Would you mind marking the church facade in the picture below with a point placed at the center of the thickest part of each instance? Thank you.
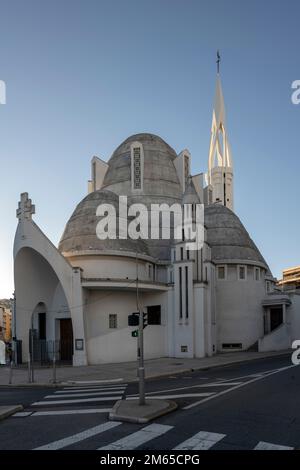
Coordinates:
(78, 296)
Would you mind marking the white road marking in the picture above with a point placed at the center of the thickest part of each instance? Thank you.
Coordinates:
(183, 395)
(216, 384)
(98, 389)
(22, 414)
(77, 400)
(95, 381)
(269, 446)
(220, 384)
(200, 441)
(68, 441)
(86, 394)
(136, 439)
(243, 384)
(71, 412)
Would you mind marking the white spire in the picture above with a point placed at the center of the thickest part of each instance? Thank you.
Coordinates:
(220, 167)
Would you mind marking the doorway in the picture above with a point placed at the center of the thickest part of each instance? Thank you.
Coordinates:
(276, 317)
(66, 339)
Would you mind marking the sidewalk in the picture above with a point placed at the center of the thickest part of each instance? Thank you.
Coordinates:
(127, 371)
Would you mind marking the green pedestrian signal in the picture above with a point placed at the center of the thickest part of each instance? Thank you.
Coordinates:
(135, 333)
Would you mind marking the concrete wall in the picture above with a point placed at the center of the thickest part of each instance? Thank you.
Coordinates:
(117, 345)
(278, 340)
(239, 309)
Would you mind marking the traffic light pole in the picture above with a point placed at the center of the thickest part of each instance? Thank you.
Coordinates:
(141, 368)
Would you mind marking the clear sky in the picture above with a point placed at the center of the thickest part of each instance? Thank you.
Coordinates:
(82, 75)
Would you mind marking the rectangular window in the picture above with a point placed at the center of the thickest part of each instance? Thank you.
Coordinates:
(154, 315)
(113, 322)
(257, 274)
(221, 270)
(268, 286)
(242, 273)
(186, 293)
(181, 253)
(180, 293)
(183, 349)
(187, 253)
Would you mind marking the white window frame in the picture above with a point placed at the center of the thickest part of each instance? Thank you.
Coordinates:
(133, 146)
(114, 318)
(225, 272)
(257, 270)
(238, 272)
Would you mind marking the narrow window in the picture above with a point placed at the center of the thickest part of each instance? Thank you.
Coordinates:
(221, 273)
(137, 166)
(113, 322)
(242, 273)
(186, 293)
(181, 253)
(187, 253)
(257, 274)
(180, 293)
(186, 168)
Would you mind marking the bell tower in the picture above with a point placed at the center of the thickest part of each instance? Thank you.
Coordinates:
(220, 167)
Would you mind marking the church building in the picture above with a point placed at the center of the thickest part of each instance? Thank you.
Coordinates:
(76, 298)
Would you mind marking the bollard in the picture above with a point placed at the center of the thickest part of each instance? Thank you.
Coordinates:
(54, 369)
(10, 373)
(29, 371)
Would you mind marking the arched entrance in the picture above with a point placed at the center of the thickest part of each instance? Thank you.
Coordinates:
(44, 321)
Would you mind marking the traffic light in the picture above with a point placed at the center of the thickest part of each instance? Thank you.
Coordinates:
(133, 319)
(145, 320)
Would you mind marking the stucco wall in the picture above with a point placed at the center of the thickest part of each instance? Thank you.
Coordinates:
(117, 345)
(239, 309)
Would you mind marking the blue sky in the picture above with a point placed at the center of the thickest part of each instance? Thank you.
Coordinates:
(82, 75)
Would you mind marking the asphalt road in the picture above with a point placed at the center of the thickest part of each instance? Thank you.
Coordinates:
(235, 407)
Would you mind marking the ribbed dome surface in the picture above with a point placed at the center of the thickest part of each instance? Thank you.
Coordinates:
(80, 231)
(228, 238)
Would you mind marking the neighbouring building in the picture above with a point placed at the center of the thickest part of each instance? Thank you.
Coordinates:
(219, 298)
(5, 322)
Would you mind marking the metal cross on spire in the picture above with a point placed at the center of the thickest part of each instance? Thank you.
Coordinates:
(25, 207)
(218, 61)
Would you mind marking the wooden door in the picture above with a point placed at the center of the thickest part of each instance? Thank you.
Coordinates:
(66, 339)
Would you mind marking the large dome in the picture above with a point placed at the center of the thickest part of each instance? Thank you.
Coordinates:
(160, 185)
(228, 238)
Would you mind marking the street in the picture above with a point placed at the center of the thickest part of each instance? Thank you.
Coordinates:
(254, 405)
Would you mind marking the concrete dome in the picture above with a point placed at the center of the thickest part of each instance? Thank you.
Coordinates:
(80, 231)
(228, 238)
(160, 177)
(160, 185)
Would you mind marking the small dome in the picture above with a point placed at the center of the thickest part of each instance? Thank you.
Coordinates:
(80, 231)
(228, 238)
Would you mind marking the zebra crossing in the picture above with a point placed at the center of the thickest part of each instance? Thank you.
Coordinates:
(142, 439)
(81, 399)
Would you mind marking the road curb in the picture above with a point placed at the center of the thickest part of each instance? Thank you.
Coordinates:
(6, 411)
(154, 376)
(117, 415)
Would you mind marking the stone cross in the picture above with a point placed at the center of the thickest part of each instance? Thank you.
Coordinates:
(25, 208)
